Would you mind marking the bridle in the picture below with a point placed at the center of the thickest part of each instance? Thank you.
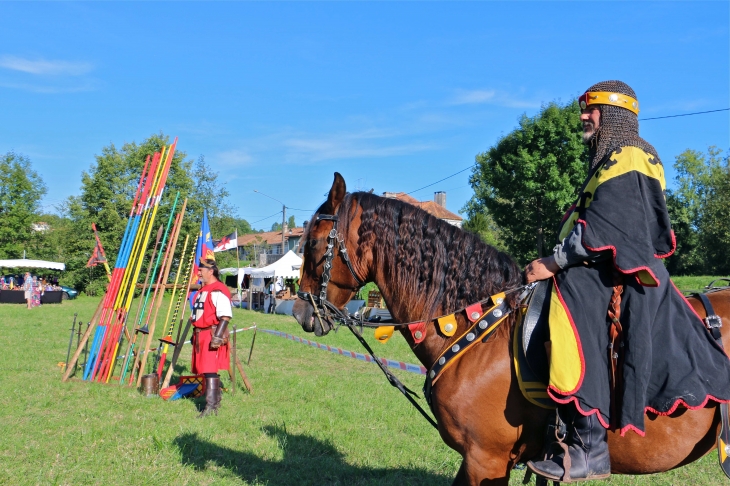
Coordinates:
(323, 308)
(326, 310)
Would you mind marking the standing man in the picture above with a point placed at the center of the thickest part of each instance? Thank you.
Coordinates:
(211, 314)
(623, 339)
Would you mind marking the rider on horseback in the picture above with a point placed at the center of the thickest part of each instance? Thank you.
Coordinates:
(603, 370)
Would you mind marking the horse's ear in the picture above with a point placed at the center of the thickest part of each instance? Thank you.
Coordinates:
(337, 193)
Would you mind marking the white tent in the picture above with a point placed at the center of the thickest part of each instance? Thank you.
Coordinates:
(286, 267)
(24, 263)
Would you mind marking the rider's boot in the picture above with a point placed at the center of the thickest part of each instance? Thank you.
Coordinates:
(587, 450)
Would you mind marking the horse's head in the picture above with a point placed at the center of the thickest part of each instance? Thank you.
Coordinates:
(329, 279)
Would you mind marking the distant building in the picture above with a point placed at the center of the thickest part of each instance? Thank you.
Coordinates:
(40, 227)
(437, 207)
(253, 245)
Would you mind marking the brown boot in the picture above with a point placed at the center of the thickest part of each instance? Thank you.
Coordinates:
(212, 396)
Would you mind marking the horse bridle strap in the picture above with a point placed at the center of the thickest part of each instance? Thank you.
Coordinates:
(482, 329)
(332, 238)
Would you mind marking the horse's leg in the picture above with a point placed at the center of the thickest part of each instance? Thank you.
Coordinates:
(473, 473)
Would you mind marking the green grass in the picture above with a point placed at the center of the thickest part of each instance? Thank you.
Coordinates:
(696, 284)
(313, 418)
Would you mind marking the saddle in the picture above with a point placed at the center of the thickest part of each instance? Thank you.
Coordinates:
(531, 345)
(535, 330)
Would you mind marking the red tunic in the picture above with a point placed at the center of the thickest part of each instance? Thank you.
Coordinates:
(205, 359)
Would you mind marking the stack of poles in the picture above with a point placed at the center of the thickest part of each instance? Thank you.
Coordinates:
(129, 263)
(142, 308)
(150, 321)
(167, 339)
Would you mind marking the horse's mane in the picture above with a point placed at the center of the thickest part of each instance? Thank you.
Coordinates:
(433, 262)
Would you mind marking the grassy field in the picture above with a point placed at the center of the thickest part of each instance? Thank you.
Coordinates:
(313, 418)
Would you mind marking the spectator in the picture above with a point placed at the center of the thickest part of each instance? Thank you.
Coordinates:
(28, 289)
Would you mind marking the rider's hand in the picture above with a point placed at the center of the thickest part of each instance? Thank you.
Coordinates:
(541, 269)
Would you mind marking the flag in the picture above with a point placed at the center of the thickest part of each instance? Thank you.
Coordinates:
(227, 242)
(96, 257)
(204, 249)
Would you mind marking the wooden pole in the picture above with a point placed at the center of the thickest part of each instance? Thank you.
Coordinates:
(233, 353)
(70, 366)
(168, 266)
(243, 375)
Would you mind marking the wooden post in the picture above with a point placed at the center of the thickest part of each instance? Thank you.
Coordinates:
(233, 352)
(243, 375)
(94, 320)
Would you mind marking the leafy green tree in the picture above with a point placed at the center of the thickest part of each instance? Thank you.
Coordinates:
(481, 223)
(290, 223)
(107, 192)
(698, 208)
(21, 191)
(529, 178)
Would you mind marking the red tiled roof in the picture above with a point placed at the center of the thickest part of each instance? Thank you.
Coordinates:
(431, 207)
(270, 237)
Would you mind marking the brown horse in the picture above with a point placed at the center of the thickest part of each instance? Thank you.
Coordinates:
(424, 268)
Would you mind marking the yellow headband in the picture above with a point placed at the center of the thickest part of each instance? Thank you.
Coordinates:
(607, 98)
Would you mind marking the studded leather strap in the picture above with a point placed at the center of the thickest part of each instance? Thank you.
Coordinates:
(481, 329)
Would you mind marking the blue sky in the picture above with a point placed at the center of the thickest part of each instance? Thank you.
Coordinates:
(395, 96)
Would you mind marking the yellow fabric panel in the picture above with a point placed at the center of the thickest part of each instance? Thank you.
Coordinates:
(566, 362)
(645, 278)
(447, 325)
(568, 225)
(528, 388)
(630, 159)
(383, 333)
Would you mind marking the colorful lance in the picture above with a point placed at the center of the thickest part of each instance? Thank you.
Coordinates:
(167, 340)
(140, 314)
(130, 346)
(126, 301)
(159, 291)
(130, 234)
(146, 214)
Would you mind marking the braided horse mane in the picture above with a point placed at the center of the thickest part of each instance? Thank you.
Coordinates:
(438, 266)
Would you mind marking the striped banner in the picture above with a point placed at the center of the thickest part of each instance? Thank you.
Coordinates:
(399, 365)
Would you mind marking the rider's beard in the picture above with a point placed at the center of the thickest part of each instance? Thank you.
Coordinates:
(588, 131)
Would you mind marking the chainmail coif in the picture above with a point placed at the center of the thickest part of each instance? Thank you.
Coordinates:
(619, 127)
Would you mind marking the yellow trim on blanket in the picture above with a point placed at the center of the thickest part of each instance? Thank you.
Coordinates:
(530, 389)
(565, 357)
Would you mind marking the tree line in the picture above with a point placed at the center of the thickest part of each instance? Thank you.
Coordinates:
(105, 198)
(525, 182)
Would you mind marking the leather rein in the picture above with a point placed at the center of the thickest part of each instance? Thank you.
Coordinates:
(324, 309)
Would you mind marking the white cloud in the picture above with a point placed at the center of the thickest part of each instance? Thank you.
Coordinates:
(85, 86)
(234, 158)
(367, 143)
(491, 97)
(44, 67)
(473, 97)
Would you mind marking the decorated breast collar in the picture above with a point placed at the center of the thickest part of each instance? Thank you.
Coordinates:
(481, 329)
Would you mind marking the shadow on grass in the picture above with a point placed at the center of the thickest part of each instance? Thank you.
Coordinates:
(306, 461)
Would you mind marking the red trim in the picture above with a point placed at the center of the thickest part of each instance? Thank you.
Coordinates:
(565, 401)
(577, 339)
(688, 304)
(628, 427)
(613, 250)
(674, 247)
(567, 214)
(702, 321)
